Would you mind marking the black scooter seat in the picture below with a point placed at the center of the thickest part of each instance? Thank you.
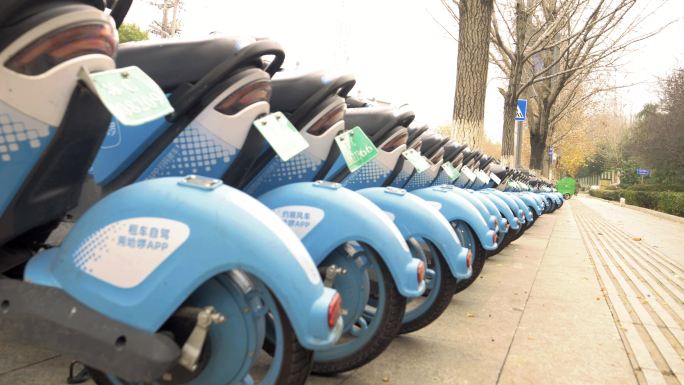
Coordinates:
(415, 131)
(291, 90)
(377, 121)
(174, 62)
(451, 150)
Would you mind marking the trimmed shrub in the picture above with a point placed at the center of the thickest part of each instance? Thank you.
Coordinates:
(647, 199)
(671, 203)
(665, 201)
(611, 195)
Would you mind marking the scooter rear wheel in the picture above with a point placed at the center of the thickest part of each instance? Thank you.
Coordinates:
(441, 286)
(223, 362)
(371, 333)
(469, 240)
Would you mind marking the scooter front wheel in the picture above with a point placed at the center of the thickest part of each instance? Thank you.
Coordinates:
(370, 327)
(440, 288)
(232, 352)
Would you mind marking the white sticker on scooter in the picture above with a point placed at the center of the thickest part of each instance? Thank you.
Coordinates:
(126, 252)
(436, 205)
(390, 215)
(301, 219)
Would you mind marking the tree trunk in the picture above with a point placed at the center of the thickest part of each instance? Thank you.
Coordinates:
(471, 70)
(538, 136)
(508, 142)
(512, 93)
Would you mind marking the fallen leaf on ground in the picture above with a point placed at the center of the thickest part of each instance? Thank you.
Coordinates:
(470, 315)
(636, 238)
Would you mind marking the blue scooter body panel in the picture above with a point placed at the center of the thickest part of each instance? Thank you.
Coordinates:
(493, 210)
(504, 208)
(530, 202)
(141, 251)
(477, 203)
(455, 207)
(326, 215)
(416, 218)
(512, 203)
(523, 205)
(24, 139)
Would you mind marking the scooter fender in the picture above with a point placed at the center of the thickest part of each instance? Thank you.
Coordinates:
(416, 218)
(523, 205)
(512, 203)
(530, 202)
(325, 215)
(504, 209)
(493, 210)
(139, 253)
(468, 195)
(454, 207)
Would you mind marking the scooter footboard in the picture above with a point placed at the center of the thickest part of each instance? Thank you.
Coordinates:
(454, 207)
(47, 317)
(138, 254)
(326, 215)
(416, 218)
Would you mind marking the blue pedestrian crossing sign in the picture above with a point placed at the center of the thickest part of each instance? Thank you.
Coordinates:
(521, 113)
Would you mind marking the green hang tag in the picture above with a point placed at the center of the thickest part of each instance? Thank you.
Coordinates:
(450, 170)
(129, 94)
(356, 148)
(465, 170)
(281, 135)
(418, 161)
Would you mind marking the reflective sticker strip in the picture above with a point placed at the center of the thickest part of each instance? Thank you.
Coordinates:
(434, 204)
(301, 219)
(126, 252)
(390, 215)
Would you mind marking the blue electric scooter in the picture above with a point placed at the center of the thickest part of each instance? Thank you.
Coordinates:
(386, 128)
(214, 136)
(99, 289)
(319, 115)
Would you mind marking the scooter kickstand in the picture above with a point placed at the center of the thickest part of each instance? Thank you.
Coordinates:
(331, 272)
(192, 349)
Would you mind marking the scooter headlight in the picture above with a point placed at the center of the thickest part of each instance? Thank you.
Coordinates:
(62, 45)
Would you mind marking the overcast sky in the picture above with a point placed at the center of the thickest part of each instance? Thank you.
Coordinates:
(397, 50)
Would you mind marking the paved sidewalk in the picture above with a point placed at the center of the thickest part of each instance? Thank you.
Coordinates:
(537, 315)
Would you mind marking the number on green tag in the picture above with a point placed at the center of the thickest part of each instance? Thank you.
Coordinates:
(418, 161)
(450, 170)
(129, 94)
(281, 135)
(356, 148)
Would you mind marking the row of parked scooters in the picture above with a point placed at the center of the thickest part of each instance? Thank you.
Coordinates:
(188, 248)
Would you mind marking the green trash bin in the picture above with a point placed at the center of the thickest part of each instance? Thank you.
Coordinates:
(567, 187)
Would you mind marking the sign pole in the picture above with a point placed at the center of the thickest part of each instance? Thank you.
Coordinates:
(518, 144)
(520, 116)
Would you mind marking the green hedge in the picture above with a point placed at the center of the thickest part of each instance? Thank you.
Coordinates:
(665, 201)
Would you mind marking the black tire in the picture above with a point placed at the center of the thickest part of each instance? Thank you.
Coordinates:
(446, 292)
(298, 361)
(479, 257)
(390, 324)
